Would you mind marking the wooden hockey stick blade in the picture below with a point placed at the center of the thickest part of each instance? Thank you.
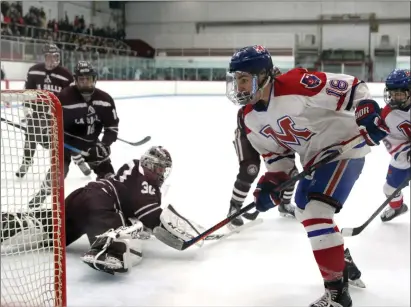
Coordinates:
(350, 232)
(138, 143)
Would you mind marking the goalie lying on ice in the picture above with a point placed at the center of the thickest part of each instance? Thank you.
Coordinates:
(117, 214)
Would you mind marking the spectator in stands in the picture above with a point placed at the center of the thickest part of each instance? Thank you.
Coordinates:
(95, 40)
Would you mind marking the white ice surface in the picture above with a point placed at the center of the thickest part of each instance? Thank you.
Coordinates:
(269, 265)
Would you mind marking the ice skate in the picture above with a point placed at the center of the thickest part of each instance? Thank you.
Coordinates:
(391, 213)
(286, 210)
(336, 295)
(103, 261)
(238, 221)
(354, 274)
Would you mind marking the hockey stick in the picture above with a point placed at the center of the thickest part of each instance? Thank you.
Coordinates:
(73, 149)
(14, 124)
(234, 231)
(251, 216)
(172, 241)
(164, 236)
(138, 143)
(350, 232)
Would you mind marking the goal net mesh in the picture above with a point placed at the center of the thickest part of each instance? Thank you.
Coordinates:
(32, 258)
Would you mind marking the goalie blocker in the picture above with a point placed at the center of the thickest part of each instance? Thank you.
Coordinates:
(116, 214)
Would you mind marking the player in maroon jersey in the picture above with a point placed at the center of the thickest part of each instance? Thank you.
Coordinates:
(50, 76)
(117, 214)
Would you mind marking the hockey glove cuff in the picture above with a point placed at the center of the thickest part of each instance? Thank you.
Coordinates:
(265, 196)
(371, 125)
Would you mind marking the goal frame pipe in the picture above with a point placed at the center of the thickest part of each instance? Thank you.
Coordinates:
(57, 186)
(59, 233)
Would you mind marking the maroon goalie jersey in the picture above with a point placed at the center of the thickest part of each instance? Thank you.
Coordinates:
(136, 191)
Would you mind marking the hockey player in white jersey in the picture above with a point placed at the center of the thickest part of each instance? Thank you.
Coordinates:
(397, 117)
(312, 114)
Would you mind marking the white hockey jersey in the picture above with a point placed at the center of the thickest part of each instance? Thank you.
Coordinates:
(399, 140)
(308, 113)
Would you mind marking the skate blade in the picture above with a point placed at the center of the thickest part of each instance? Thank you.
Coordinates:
(91, 260)
(232, 227)
(357, 283)
(287, 215)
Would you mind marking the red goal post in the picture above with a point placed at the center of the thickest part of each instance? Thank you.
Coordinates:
(34, 276)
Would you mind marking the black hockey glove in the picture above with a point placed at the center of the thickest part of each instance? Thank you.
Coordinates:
(99, 153)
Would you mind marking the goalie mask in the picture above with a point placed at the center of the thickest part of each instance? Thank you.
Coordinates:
(85, 77)
(158, 160)
(51, 56)
(397, 90)
(251, 70)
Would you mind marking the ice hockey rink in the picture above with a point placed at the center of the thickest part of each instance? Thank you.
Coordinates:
(270, 264)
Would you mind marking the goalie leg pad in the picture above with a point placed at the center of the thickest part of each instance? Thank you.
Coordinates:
(22, 231)
(116, 251)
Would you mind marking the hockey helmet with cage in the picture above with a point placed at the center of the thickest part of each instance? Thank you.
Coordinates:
(85, 77)
(51, 56)
(254, 62)
(397, 90)
(158, 160)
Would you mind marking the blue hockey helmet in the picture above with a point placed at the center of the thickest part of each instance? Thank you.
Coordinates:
(254, 62)
(398, 88)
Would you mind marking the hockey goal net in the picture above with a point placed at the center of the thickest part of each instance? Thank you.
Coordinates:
(32, 250)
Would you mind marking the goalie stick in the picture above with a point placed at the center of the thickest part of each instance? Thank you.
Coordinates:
(172, 241)
(350, 232)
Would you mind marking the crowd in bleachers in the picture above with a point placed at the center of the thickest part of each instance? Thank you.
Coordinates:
(67, 34)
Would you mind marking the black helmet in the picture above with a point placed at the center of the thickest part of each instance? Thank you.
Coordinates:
(85, 77)
(51, 56)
